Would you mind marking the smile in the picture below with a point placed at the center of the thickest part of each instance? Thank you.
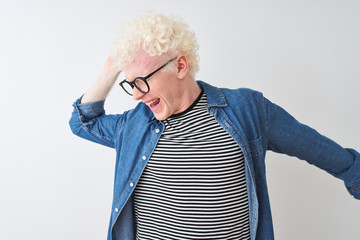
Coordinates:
(153, 102)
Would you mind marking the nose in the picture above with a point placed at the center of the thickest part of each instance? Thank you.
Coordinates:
(137, 95)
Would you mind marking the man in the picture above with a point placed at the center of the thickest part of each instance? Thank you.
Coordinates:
(190, 156)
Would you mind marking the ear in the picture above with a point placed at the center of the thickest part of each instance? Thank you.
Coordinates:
(182, 66)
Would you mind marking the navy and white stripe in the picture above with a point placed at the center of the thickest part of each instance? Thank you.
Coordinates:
(193, 186)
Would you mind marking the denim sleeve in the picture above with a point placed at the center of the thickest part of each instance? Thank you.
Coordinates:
(287, 135)
(89, 110)
(90, 122)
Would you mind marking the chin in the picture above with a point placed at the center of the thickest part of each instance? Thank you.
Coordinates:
(161, 117)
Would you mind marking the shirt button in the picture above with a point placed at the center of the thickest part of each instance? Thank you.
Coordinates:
(143, 157)
(116, 209)
(157, 130)
(131, 184)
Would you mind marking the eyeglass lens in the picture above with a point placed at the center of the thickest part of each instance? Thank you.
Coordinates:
(140, 84)
(127, 87)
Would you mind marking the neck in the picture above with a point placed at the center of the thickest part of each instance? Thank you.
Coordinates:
(190, 93)
(195, 90)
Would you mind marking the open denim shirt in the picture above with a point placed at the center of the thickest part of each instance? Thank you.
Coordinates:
(255, 123)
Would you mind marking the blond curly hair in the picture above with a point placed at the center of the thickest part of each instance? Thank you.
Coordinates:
(157, 35)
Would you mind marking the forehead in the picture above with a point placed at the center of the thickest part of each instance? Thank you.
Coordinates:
(141, 65)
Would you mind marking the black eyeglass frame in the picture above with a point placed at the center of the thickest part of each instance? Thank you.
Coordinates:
(133, 83)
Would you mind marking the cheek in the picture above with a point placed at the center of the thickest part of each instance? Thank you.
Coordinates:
(158, 90)
(155, 87)
(164, 89)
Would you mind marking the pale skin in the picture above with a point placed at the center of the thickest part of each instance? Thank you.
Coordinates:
(170, 92)
(103, 84)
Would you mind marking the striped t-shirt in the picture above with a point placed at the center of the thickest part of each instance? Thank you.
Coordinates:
(194, 185)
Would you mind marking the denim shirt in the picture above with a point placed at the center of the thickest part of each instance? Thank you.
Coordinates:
(255, 123)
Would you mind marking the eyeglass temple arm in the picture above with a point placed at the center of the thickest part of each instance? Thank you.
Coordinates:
(148, 76)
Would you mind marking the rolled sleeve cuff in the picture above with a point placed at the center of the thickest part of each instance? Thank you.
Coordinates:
(352, 176)
(89, 110)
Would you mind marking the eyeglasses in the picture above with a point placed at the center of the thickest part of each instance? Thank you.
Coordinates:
(140, 82)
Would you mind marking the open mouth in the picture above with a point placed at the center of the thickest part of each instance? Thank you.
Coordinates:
(153, 103)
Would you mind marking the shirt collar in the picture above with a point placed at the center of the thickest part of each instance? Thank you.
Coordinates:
(214, 95)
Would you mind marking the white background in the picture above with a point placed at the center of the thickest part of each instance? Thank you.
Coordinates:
(303, 55)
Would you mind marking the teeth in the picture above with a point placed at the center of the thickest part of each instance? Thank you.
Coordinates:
(152, 101)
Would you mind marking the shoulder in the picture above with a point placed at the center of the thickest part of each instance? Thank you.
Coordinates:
(232, 95)
(244, 99)
(241, 92)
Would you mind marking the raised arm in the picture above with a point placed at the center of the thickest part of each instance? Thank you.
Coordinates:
(88, 119)
(103, 84)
